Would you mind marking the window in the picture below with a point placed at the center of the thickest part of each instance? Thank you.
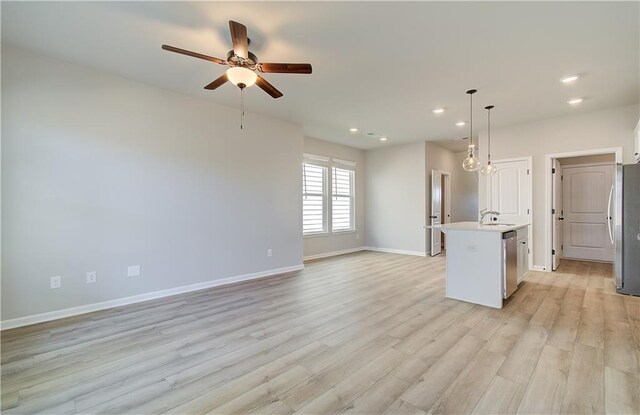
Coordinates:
(327, 208)
(342, 199)
(314, 198)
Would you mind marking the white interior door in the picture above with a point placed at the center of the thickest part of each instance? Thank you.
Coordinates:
(436, 212)
(510, 190)
(556, 214)
(586, 204)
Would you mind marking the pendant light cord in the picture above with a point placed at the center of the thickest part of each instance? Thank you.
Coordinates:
(471, 119)
(489, 136)
(489, 108)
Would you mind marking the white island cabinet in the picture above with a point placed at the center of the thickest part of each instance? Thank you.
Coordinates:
(479, 263)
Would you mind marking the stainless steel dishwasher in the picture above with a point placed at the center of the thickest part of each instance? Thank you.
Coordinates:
(509, 263)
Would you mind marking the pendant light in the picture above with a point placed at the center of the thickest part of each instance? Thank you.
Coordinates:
(471, 163)
(489, 168)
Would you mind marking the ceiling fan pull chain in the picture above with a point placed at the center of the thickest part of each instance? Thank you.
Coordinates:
(241, 107)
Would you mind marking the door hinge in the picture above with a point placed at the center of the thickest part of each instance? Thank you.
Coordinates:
(528, 250)
(553, 252)
(562, 177)
(553, 170)
(553, 211)
(562, 247)
(527, 211)
(527, 172)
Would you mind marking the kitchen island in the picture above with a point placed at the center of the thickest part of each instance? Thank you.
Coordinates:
(482, 261)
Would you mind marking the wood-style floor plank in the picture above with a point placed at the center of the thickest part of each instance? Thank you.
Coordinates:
(363, 333)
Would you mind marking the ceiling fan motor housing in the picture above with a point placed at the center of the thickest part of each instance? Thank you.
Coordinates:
(250, 62)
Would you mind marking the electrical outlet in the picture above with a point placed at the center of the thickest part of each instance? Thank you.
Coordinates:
(269, 252)
(133, 271)
(56, 282)
(92, 277)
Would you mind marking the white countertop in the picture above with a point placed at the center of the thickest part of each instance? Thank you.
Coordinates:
(475, 226)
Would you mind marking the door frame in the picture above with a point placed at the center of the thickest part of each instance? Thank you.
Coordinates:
(548, 186)
(446, 215)
(529, 161)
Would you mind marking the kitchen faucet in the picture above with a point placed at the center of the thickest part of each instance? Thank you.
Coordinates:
(485, 212)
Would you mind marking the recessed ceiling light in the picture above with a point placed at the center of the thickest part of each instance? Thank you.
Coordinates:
(383, 138)
(574, 101)
(438, 111)
(569, 79)
(461, 124)
(353, 130)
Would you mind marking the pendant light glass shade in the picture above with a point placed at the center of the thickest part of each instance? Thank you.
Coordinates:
(488, 169)
(471, 163)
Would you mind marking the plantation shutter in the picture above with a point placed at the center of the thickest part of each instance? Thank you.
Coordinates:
(314, 195)
(342, 195)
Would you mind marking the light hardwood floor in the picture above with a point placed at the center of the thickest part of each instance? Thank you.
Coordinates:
(363, 333)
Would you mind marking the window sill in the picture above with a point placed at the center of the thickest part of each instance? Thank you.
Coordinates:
(334, 233)
(346, 231)
(315, 235)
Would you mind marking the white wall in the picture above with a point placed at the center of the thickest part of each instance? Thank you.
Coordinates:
(395, 203)
(343, 241)
(584, 131)
(464, 185)
(99, 173)
(464, 192)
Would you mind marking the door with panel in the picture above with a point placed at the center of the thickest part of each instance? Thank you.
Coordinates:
(510, 191)
(435, 219)
(587, 198)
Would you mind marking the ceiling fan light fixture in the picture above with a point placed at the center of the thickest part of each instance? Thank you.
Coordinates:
(241, 77)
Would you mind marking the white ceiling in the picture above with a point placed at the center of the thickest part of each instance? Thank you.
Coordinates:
(381, 67)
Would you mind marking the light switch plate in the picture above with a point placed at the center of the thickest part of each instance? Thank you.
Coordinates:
(133, 271)
(56, 282)
(92, 277)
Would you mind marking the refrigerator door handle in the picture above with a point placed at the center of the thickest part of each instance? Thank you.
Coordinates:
(617, 223)
(609, 217)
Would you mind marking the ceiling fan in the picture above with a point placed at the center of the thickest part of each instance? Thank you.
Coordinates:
(244, 65)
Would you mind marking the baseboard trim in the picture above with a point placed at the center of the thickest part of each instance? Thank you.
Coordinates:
(334, 253)
(540, 268)
(395, 251)
(89, 308)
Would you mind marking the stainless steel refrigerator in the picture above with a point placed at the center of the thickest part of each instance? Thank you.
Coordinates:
(626, 231)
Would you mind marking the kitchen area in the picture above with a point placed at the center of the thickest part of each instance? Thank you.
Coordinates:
(485, 261)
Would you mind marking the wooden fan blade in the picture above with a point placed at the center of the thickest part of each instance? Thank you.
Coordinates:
(301, 68)
(267, 87)
(239, 39)
(193, 54)
(218, 82)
